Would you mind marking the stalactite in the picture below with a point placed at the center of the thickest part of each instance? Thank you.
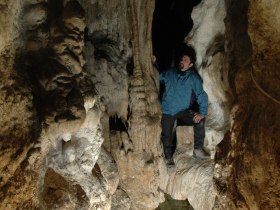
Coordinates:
(135, 43)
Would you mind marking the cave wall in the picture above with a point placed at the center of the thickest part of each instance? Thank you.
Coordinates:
(55, 157)
(19, 123)
(70, 68)
(78, 67)
(120, 64)
(48, 106)
(208, 39)
(250, 151)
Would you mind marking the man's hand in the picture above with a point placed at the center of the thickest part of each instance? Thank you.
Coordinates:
(197, 117)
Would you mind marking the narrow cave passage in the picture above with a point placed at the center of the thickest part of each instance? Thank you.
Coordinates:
(171, 24)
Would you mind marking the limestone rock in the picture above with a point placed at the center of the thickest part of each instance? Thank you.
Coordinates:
(35, 15)
(109, 171)
(26, 95)
(249, 153)
(75, 74)
(208, 38)
(208, 30)
(68, 37)
(191, 178)
(120, 200)
(20, 127)
(193, 181)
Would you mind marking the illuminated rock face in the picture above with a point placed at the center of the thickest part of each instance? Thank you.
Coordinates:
(51, 134)
(80, 113)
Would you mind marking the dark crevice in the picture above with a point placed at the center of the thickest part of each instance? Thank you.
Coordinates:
(171, 24)
(117, 124)
(56, 6)
(239, 45)
(130, 66)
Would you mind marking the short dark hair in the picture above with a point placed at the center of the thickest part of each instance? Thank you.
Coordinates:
(187, 50)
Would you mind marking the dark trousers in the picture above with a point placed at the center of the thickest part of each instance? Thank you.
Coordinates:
(168, 135)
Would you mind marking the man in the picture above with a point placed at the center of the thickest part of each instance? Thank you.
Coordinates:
(183, 88)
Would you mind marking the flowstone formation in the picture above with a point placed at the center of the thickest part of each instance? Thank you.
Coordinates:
(79, 100)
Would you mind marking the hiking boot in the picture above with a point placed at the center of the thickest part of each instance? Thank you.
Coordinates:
(200, 153)
(170, 162)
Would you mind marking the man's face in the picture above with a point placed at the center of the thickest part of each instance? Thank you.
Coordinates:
(185, 63)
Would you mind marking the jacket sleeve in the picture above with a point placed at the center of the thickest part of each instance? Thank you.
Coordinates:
(201, 96)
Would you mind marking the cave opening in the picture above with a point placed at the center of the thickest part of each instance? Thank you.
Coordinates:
(171, 24)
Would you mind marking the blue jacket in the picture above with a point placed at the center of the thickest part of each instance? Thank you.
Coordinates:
(181, 89)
